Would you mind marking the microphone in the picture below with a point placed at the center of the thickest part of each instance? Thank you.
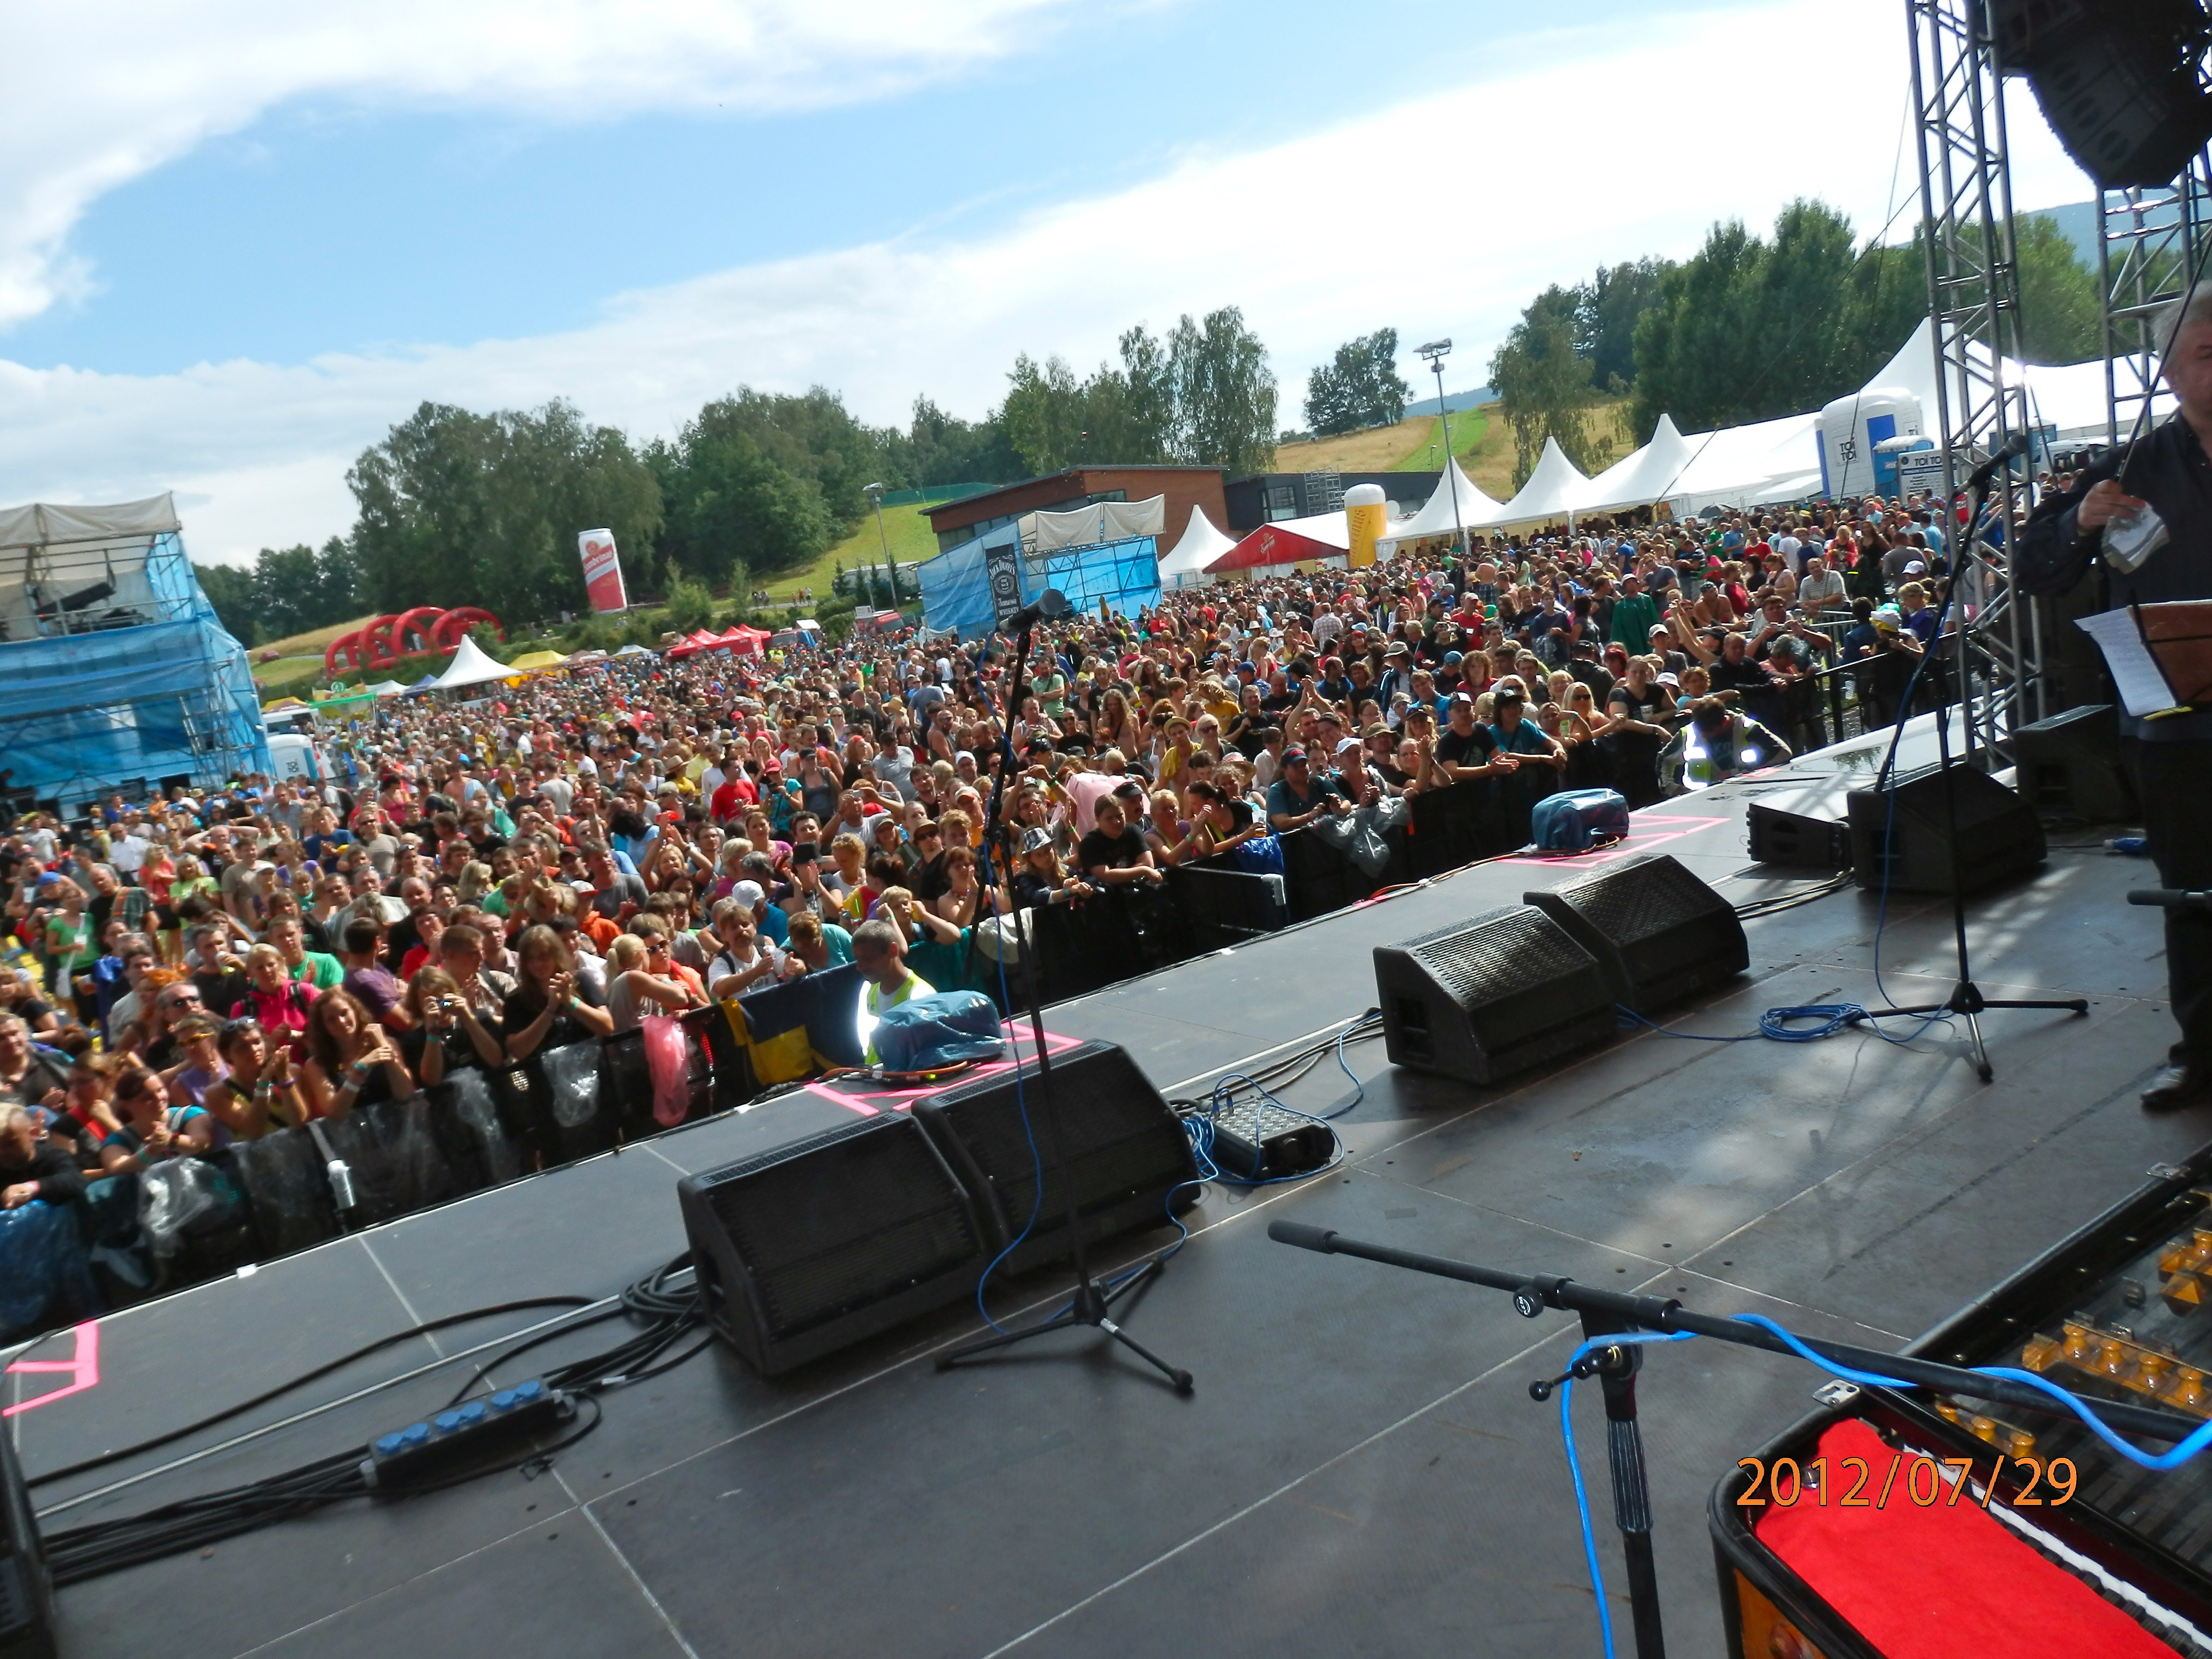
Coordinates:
(2013, 448)
(1048, 606)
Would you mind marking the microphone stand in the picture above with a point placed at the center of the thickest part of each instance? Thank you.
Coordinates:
(1612, 1313)
(1965, 998)
(1092, 1304)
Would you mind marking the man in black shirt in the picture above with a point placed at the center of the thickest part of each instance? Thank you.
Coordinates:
(2170, 758)
(1114, 854)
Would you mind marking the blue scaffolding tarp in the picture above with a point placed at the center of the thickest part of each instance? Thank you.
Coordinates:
(114, 672)
(955, 585)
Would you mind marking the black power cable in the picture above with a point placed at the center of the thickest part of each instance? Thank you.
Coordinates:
(667, 1312)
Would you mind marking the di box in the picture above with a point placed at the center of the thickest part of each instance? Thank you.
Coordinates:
(1901, 838)
(814, 1245)
(1478, 1001)
(1659, 933)
(1126, 1155)
(2071, 763)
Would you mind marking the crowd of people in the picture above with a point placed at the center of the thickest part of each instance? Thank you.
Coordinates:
(479, 883)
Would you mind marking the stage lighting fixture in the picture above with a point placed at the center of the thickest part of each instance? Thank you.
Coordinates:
(2122, 86)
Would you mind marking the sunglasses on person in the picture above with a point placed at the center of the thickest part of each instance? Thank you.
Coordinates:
(181, 1000)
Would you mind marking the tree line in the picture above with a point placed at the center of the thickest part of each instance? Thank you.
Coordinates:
(457, 507)
(1750, 328)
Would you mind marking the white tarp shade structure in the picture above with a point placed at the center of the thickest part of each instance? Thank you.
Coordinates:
(1642, 477)
(42, 525)
(1201, 543)
(1095, 524)
(2070, 396)
(384, 689)
(1438, 516)
(472, 665)
(1554, 489)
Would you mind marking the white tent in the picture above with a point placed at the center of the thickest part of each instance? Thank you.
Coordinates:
(1642, 477)
(636, 650)
(1554, 489)
(1777, 460)
(1438, 516)
(471, 666)
(384, 689)
(1201, 543)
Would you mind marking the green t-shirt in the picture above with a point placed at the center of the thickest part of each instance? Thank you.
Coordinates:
(321, 971)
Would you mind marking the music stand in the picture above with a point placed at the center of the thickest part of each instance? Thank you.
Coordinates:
(1091, 1303)
(1965, 998)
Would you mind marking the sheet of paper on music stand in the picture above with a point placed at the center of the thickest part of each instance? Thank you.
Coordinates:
(2136, 673)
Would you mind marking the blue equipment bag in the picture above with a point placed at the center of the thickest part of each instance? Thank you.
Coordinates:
(1578, 820)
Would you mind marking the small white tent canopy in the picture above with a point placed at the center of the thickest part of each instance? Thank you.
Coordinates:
(1201, 543)
(471, 666)
(384, 689)
(1641, 477)
(1777, 460)
(1436, 517)
(1554, 489)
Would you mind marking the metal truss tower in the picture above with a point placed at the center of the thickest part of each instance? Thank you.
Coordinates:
(1973, 300)
(2148, 241)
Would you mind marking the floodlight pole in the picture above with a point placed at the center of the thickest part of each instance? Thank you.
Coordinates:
(875, 493)
(1435, 351)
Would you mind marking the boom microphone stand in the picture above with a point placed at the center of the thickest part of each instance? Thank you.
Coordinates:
(1092, 1304)
(1613, 1313)
(1965, 998)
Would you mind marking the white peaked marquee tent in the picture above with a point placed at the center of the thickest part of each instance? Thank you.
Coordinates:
(471, 666)
(1554, 490)
(1436, 517)
(1642, 477)
(1201, 543)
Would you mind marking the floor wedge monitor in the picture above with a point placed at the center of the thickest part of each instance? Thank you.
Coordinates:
(1491, 996)
(1126, 1154)
(1659, 933)
(1901, 837)
(807, 1248)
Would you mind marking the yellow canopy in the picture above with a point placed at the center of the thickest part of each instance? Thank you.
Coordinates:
(534, 660)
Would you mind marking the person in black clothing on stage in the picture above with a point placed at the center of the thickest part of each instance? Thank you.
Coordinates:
(2170, 758)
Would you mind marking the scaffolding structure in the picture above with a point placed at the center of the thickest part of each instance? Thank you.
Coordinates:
(2149, 244)
(1973, 291)
(115, 676)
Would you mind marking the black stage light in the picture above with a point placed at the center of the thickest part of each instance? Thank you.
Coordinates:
(2121, 85)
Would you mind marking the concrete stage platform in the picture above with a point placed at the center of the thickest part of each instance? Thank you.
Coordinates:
(1360, 1470)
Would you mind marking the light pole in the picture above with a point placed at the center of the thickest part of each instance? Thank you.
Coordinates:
(875, 493)
(1435, 353)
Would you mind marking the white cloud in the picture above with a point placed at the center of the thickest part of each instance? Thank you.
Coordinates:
(95, 93)
(1568, 176)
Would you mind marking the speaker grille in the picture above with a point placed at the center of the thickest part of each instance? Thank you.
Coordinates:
(1498, 956)
(1641, 901)
(864, 1213)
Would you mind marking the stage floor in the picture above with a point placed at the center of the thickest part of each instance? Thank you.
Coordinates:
(1360, 1471)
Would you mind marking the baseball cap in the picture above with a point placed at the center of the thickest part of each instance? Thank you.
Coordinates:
(1915, 567)
(748, 893)
(1346, 743)
(1294, 756)
(1506, 694)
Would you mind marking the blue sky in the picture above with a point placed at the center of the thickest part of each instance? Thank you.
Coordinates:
(229, 287)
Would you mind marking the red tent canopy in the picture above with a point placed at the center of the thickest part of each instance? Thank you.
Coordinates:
(699, 641)
(1292, 541)
(745, 639)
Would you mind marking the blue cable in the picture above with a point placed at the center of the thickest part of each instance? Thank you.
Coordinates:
(1775, 1027)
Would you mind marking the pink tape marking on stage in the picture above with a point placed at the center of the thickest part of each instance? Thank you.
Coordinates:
(899, 1099)
(83, 1368)
(1637, 841)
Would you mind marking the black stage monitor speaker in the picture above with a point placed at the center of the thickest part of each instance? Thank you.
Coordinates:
(1659, 933)
(1901, 837)
(1486, 998)
(2071, 763)
(1804, 825)
(27, 1590)
(810, 1247)
(1126, 1153)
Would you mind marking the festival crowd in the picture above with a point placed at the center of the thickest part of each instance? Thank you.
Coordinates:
(479, 883)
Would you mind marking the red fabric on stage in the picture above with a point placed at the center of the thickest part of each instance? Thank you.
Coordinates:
(1936, 1582)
